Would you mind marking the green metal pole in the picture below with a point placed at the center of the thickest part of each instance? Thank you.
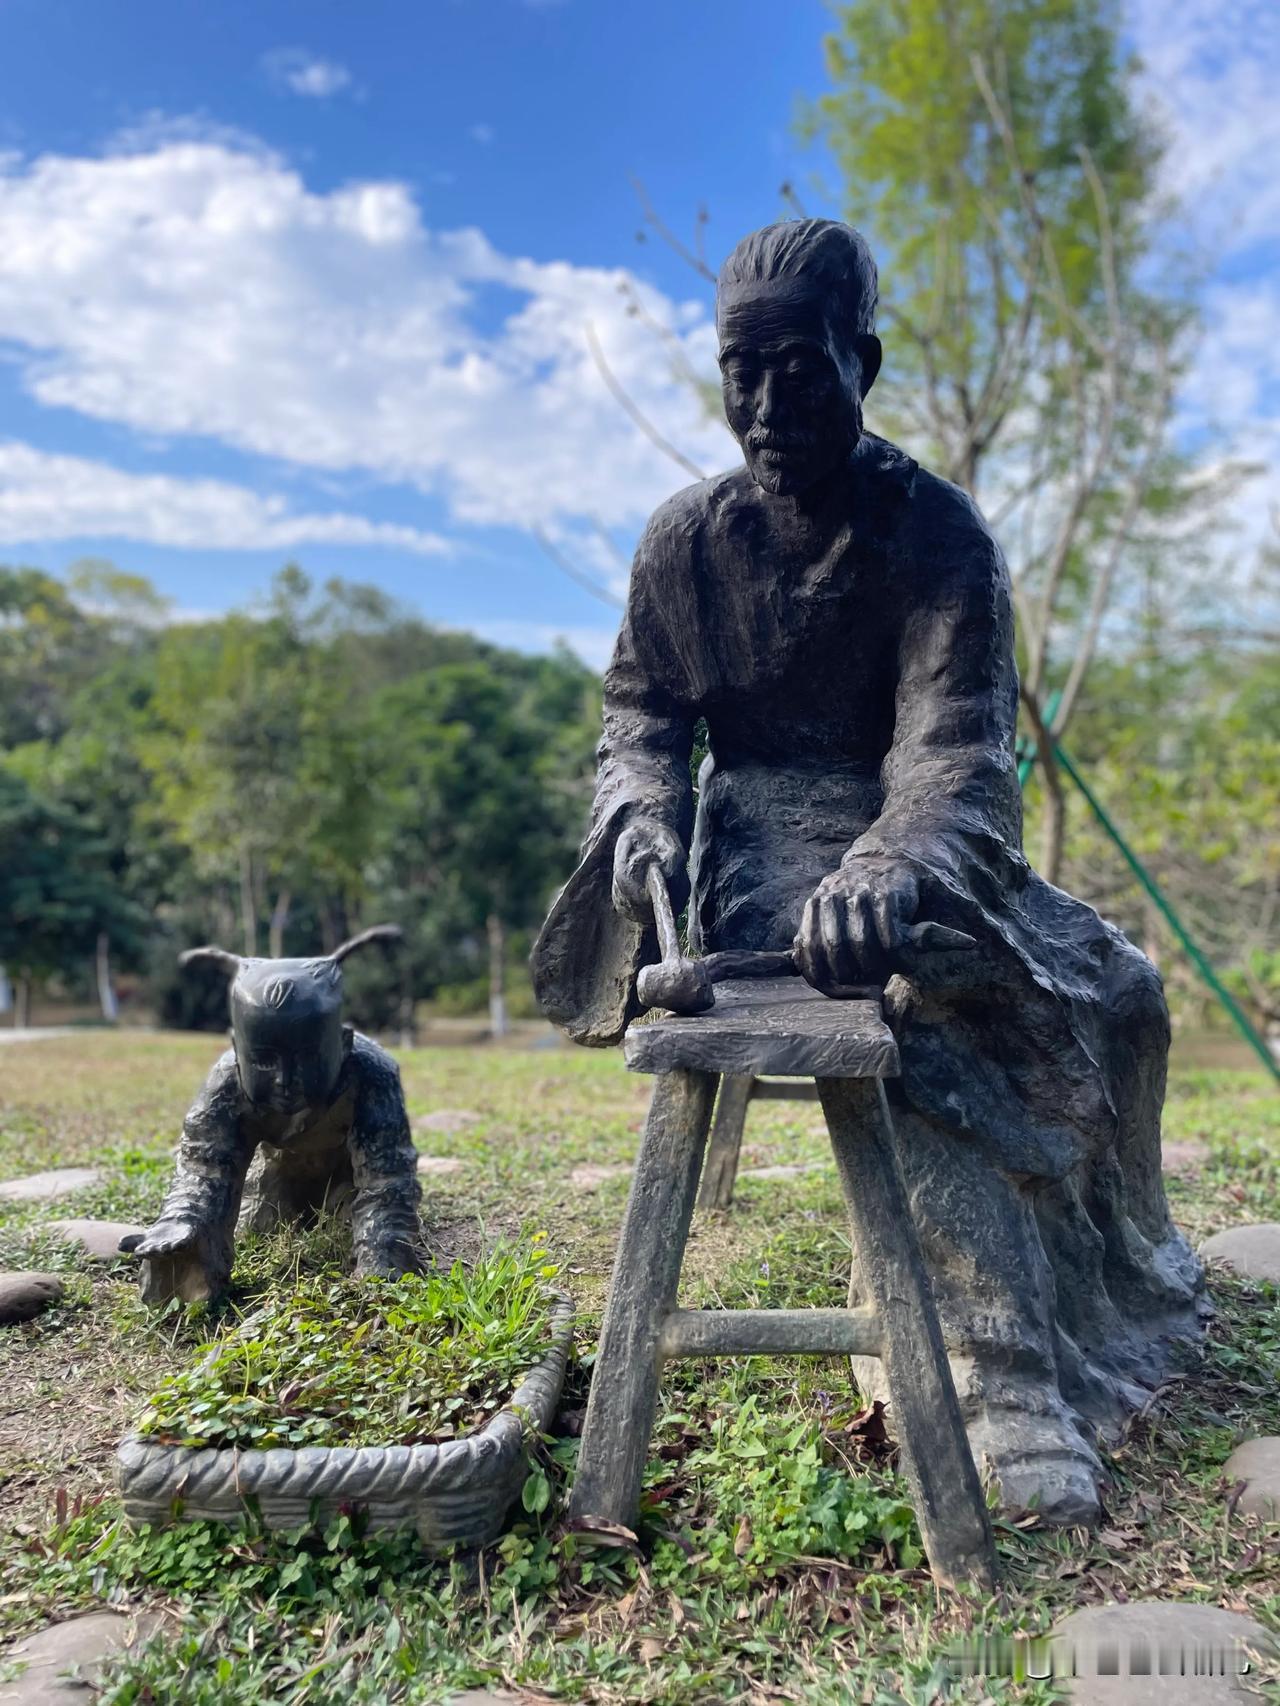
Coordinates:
(1237, 1013)
(1232, 1007)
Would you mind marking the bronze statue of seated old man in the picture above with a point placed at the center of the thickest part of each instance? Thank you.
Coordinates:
(841, 619)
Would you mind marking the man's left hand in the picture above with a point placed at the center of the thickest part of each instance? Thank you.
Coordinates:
(856, 922)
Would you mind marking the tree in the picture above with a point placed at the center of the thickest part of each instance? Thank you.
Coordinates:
(1180, 737)
(473, 812)
(58, 897)
(996, 152)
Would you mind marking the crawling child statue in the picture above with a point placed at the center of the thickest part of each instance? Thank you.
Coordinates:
(301, 1114)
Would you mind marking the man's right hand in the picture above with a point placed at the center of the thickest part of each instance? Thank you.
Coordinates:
(643, 843)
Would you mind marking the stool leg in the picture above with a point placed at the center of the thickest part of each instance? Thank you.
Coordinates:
(721, 1172)
(646, 1272)
(926, 1413)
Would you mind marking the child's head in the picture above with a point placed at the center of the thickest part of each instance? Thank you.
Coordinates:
(286, 1023)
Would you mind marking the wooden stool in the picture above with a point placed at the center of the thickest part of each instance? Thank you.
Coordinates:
(778, 1026)
(720, 1175)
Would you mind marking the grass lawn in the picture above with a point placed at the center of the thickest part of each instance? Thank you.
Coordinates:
(779, 1559)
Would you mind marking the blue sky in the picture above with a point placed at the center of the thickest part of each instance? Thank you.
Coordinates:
(316, 281)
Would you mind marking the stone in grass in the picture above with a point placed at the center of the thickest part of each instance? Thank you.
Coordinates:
(590, 1177)
(447, 1120)
(82, 1643)
(1135, 1655)
(438, 1164)
(23, 1296)
(1250, 1250)
(98, 1239)
(781, 1172)
(1183, 1157)
(48, 1187)
(1257, 1464)
(483, 1697)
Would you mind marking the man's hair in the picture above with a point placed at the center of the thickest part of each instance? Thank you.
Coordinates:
(832, 256)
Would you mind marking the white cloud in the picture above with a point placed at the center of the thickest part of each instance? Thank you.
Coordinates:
(1210, 66)
(200, 289)
(302, 73)
(482, 133)
(1211, 71)
(44, 497)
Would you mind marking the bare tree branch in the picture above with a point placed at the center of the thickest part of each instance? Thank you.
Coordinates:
(651, 216)
(578, 576)
(626, 402)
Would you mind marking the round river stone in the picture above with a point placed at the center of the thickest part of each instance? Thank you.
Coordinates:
(48, 1187)
(23, 1296)
(99, 1239)
(1146, 1654)
(82, 1642)
(1257, 1462)
(1251, 1250)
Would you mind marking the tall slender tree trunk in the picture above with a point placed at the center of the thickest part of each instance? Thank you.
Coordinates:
(22, 1004)
(279, 919)
(408, 1019)
(1054, 829)
(1152, 943)
(248, 903)
(329, 937)
(499, 1025)
(102, 972)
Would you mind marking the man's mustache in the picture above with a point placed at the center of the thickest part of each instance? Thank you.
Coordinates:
(776, 441)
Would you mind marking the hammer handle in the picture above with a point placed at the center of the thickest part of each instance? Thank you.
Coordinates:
(663, 917)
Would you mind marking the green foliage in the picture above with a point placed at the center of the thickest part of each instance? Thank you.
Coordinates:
(924, 164)
(56, 885)
(773, 1549)
(336, 1361)
(1183, 749)
(778, 1499)
(275, 779)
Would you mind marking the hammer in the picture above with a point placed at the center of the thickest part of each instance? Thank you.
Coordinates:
(676, 983)
(680, 985)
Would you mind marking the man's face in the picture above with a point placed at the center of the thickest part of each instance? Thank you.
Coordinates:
(792, 398)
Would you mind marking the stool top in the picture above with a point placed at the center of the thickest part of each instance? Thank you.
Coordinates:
(768, 1025)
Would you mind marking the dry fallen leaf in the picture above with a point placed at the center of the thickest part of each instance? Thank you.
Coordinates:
(598, 1532)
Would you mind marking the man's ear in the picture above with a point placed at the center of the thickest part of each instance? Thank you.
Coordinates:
(869, 353)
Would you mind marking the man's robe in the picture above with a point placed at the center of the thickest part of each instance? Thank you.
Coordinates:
(857, 680)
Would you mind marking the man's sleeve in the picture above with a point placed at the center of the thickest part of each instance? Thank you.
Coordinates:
(950, 774)
(643, 756)
(587, 956)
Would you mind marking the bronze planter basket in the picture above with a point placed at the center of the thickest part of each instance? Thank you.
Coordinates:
(456, 1493)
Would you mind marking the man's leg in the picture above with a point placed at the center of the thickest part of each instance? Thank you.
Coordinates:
(994, 1292)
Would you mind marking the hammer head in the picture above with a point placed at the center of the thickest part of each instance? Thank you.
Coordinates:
(679, 986)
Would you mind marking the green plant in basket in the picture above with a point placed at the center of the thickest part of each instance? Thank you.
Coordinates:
(337, 1361)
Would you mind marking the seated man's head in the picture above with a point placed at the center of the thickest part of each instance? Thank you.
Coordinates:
(795, 311)
(286, 1023)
